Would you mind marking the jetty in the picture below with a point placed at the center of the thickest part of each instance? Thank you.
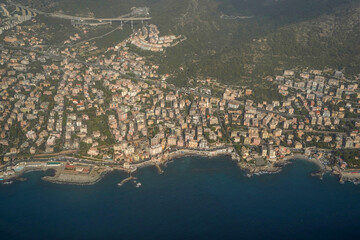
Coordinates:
(160, 171)
(126, 180)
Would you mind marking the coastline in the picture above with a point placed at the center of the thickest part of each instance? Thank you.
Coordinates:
(98, 172)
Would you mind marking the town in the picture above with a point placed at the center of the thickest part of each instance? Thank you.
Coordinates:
(115, 109)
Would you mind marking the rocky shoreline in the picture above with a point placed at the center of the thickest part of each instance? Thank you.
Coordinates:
(277, 166)
(97, 173)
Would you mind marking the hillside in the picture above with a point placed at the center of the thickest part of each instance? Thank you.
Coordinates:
(280, 34)
(330, 40)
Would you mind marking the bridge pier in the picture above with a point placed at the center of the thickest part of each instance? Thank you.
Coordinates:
(121, 25)
(132, 24)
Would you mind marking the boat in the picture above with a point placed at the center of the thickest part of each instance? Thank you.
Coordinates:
(138, 185)
(8, 182)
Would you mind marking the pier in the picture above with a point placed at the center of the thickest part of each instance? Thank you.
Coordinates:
(160, 171)
(126, 180)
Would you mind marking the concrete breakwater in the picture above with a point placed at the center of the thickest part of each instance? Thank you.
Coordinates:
(126, 180)
(93, 176)
(74, 179)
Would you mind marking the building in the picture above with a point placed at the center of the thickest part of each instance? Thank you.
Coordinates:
(93, 152)
(171, 141)
(193, 144)
(155, 150)
(234, 104)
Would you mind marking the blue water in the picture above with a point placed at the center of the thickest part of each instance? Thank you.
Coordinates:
(195, 198)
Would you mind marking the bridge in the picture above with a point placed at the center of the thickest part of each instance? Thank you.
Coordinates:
(130, 17)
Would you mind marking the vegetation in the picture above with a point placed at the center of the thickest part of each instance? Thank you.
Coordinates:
(350, 156)
(282, 34)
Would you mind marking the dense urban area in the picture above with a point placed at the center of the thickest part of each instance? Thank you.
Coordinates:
(85, 112)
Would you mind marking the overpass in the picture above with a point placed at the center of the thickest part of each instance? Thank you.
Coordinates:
(88, 20)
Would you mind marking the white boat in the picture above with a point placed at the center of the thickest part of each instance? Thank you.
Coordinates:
(138, 185)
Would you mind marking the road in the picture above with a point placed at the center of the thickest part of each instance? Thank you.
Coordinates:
(316, 131)
(60, 159)
(69, 17)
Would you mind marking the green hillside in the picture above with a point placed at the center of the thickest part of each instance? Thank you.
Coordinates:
(281, 34)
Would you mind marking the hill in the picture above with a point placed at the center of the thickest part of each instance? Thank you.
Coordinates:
(221, 43)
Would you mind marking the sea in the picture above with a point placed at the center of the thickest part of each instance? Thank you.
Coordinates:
(194, 198)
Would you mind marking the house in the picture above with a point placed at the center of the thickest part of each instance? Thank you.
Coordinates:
(327, 139)
(288, 73)
(93, 152)
(248, 92)
(32, 150)
(244, 152)
(256, 141)
(51, 141)
(298, 145)
(31, 135)
(233, 104)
